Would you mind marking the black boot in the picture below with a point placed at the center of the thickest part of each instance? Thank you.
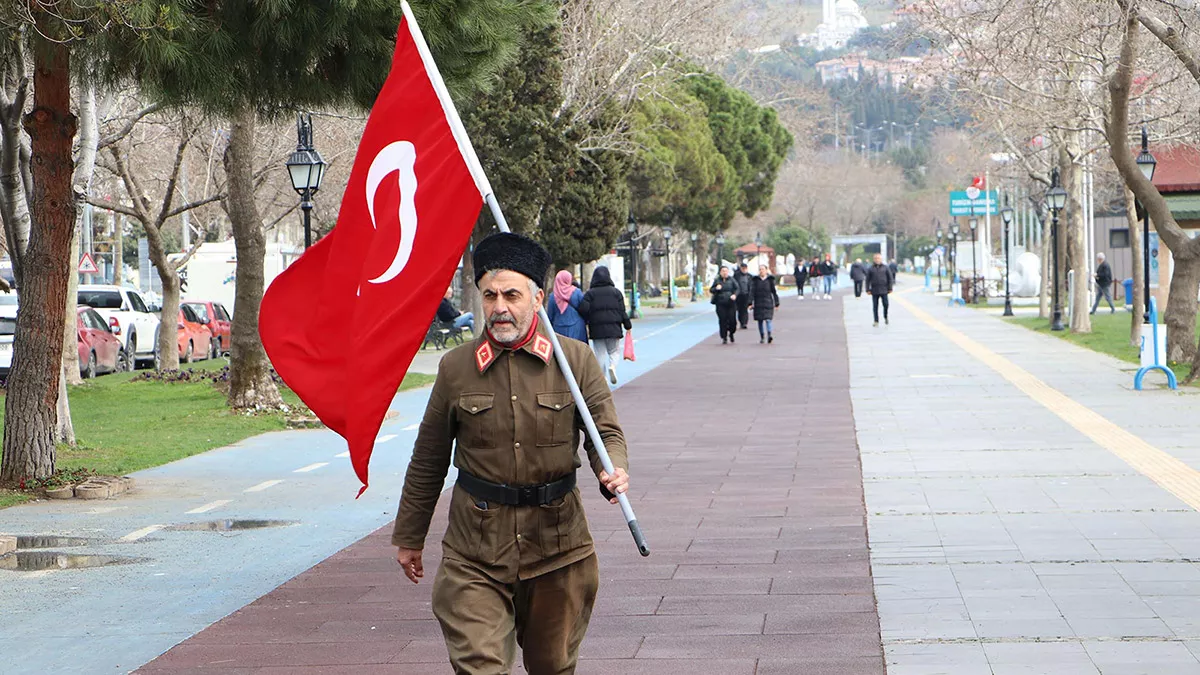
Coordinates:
(770, 338)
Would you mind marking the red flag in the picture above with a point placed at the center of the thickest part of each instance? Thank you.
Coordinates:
(979, 182)
(342, 323)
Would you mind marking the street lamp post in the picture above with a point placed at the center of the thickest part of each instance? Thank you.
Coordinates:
(631, 228)
(666, 231)
(720, 249)
(306, 169)
(973, 223)
(1056, 199)
(940, 256)
(1146, 163)
(1006, 215)
(695, 265)
(758, 248)
(954, 229)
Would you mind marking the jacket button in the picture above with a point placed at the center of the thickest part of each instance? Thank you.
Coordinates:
(557, 406)
(514, 398)
(518, 537)
(517, 446)
(474, 408)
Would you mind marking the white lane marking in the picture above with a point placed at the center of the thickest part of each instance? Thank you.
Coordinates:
(311, 467)
(385, 438)
(412, 427)
(210, 506)
(342, 455)
(263, 486)
(138, 534)
(667, 328)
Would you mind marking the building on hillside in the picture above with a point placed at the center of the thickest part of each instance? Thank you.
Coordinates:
(840, 21)
(911, 71)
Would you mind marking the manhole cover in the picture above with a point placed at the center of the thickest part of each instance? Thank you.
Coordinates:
(52, 541)
(36, 561)
(230, 525)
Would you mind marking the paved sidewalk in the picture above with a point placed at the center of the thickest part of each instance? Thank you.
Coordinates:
(1007, 535)
(747, 482)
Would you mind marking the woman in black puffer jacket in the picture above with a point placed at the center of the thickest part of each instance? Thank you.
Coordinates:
(764, 299)
(603, 307)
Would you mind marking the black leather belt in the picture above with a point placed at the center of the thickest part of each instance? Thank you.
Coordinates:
(516, 495)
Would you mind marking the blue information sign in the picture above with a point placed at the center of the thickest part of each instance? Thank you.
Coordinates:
(984, 203)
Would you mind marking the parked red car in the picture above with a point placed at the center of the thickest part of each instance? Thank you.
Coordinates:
(195, 339)
(99, 350)
(217, 318)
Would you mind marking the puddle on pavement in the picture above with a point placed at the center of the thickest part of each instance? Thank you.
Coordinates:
(37, 561)
(25, 543)
(229, 525)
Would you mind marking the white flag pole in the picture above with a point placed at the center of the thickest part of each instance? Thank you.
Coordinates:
(489, 197)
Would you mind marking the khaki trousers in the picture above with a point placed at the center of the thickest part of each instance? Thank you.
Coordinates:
(484, 620)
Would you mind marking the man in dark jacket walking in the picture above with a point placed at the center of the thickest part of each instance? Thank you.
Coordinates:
(742, 277)
(724, 295)
(880, 282)
(829, 271)
(858, 274)
(603, 308)
(1104, 281)
(801, 274)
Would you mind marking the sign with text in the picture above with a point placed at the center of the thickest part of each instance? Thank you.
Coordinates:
(962, 203)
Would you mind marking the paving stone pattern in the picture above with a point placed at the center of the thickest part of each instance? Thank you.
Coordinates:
(1002, 539)
(748, 484)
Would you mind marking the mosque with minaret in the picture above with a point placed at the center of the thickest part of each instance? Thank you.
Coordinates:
(840, 20)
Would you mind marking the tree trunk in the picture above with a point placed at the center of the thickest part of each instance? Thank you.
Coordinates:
(168, 333)
(471, 300)
(85, 167)
(29, 411)
(116, 249)
(1135, 246)
(1075, 241)
(250, 383)
(1180, 315)
(14, 205)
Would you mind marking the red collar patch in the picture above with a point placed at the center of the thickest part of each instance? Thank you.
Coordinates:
(542, 348)
(484, 355)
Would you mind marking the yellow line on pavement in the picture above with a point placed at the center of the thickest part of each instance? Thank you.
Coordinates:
(1171, 474)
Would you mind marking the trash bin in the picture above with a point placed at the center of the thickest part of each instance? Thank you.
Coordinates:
(1128, 283)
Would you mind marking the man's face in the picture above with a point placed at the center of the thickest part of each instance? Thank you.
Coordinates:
(744, 268)
(449, 293)
(724, 272)
(508, 305)
(878, 259)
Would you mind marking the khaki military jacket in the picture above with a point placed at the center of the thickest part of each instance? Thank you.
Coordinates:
(508, 416)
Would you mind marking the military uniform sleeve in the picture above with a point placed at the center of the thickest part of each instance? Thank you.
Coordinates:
(426, 470)
(604, 413)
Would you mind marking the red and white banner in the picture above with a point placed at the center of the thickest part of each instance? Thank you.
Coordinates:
(342, 323)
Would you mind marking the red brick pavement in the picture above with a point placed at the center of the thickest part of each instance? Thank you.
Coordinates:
(748, 485)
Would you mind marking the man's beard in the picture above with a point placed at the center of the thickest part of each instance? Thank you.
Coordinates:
(504, 328)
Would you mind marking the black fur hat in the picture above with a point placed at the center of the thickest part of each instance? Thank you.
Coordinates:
(514, 252)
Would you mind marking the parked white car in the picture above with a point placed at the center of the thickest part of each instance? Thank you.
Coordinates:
(8, 329)
(128, 315)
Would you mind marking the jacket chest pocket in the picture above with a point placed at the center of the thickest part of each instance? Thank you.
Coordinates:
(555, 419)
(477, 421)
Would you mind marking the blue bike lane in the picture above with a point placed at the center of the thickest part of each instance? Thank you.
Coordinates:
(179, 581)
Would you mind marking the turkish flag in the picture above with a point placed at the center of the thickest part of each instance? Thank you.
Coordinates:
(979, 182)
(342, 323)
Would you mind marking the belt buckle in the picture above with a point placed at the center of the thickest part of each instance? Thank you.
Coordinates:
(527, 495)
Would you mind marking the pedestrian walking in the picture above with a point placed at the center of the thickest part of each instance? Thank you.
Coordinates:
(858, 274)
(503, 391)
(742, 277)
(564, 308)
(880, 281)
(446, 313)
(1104, 279)
(814, 276)
(603, 307)
(801, 274)
(895, 269)
(765, 300)
(829, 271)
(724, 293)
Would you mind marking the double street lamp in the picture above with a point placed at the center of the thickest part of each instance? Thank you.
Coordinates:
(306, 169)
(954, 229)
(973, 223)
(720, 250)
(666, 232)
(1147, 164)
(1006, 215)
(631, 228)
(695, 265)
(1056, 199)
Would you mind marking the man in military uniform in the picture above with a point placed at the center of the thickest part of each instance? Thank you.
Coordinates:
(518, 564)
